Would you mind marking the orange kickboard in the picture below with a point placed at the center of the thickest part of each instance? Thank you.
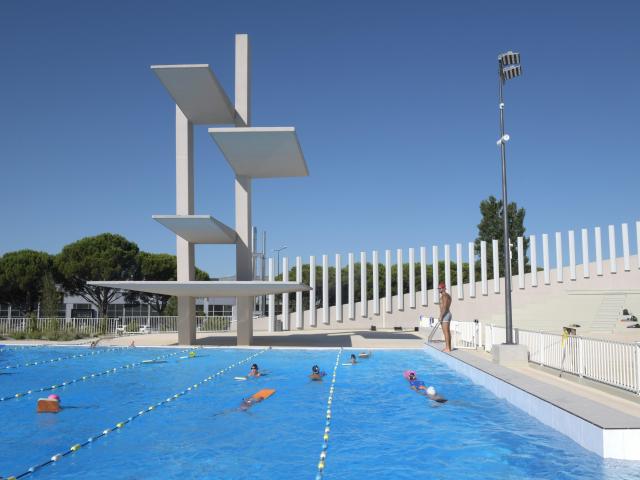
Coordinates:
(264, 393)
(48, 405)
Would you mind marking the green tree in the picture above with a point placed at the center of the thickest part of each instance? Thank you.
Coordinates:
(491, 227)
(161, 267)
(106, 257)
(50, 297)
(21, 276)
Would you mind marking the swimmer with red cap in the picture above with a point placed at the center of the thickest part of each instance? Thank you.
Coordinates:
(445, 315)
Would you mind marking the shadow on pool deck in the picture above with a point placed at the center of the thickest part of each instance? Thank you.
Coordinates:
(329, 339)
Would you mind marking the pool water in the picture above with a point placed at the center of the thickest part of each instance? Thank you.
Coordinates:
(379, 427)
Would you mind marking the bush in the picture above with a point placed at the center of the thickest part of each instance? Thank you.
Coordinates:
(216, 323)
(133, 327)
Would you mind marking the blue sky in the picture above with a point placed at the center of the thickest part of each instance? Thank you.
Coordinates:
(394, 103)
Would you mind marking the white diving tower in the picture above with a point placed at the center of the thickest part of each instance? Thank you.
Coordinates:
(252, 152)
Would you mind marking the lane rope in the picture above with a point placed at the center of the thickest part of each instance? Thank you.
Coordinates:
(77, 446)
(60, 359)
(327, 425)
(90, 376)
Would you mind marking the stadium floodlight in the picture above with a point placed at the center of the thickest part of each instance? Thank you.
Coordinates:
(508, 67)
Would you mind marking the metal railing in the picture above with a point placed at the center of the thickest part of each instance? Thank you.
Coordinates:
(112, 326)
(605, 361)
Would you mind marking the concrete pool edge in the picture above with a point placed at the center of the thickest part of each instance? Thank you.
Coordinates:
(616, 443)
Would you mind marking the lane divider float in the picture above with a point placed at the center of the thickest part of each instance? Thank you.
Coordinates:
(327, 425)
(90, 376)
(77, 446)
(60, 359)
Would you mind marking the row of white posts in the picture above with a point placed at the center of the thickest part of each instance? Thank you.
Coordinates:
(471, 258)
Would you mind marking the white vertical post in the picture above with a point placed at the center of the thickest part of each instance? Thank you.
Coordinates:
(472, 270)
(399, 279)
(376, 287)
(545, 258)
(638, 243)
(447, 268)
(436, 275)
(313, 321)
(423, 277)
(483, 267)
(272, 299)
(459, 273)
(572, 255)
(559, 259)
(613, 261)
(338, 288)
(598, 242)
(520, 263)
(387, 281)
(495, 255)
(534, 261)
(412, 278)
(363, 284)
(352, 307)
(625, 247)
(585, 253)
(325, 289)
(285, 296)
(299, 309)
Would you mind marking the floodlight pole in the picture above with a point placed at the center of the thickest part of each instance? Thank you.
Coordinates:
(505, 216)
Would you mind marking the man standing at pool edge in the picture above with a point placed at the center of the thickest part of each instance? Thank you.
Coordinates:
(445, 315)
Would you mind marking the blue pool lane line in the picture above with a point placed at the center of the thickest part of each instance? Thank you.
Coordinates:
(327, 426)
(74, 448)
(60, 359)
(90, 376)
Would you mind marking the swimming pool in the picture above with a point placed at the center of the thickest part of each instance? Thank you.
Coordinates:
(379, 428)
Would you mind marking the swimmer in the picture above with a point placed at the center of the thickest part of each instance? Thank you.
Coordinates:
(316, 374)
(254, 372)
(353, 359)
(249, 402)
(419, 386)
(51, 404)
(364, 354)
(132, 344)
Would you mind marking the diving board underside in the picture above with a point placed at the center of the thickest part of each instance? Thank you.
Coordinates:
(206, 289)
(261, 152)
(199, 229)
(197, 93)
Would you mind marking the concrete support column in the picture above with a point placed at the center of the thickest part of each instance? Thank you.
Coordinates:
(447, 267)
(244, 260)
(387, 281)
(613, 261)
(185, 252)
(625, 248)
(338, 288)
(272, 299)
(285, 296)
(312, 294)
(459, 279)
(352, 307)
(520, 263)
(483, 267)
(598, 243)
(495, 255)
(400, 278)
(545, 259)
(299, 307)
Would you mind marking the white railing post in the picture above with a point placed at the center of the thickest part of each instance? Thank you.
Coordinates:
(495, 255)
(423, 277)
(625, 247)
(435, 274)
(352, 306)
(545, 258)
(412, 278)
(580, 358)
(483, 267)
(399, 278)
(387, 281)
(363, 285)
(272, 300)
(472, 270)
(613, 261)
(520, 263)
(325, 290)
(285, 296)
(585, 253)
(376, 286)
(459, 273)
(637, 365)
(338, 288)
(540, 337)
(572, 255)
(299, 309)
(559, 258)
(598, 243)
(313, 321)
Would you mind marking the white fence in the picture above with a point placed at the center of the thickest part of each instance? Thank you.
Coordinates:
(113, 326)
(605, 361)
